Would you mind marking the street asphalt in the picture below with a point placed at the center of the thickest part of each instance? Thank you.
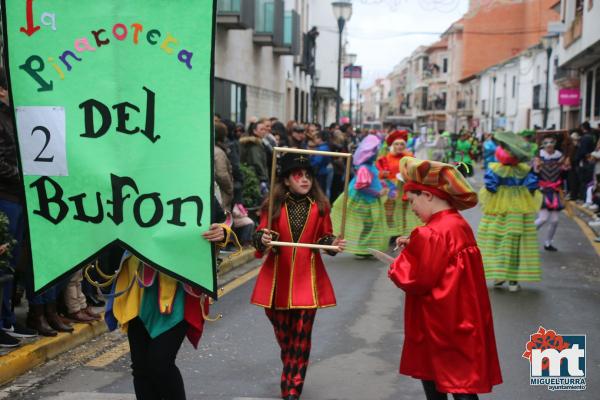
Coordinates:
(356, 345)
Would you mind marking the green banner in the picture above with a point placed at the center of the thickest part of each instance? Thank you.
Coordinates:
(113, 109)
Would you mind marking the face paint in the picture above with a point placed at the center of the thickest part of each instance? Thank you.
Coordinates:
(299, 182)
(298, 175)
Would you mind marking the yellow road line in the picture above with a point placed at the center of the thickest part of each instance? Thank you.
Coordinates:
(236, 283)
(122, 349)
(587, 231)
(110, 356)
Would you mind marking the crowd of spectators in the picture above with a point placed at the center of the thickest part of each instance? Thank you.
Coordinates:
(244, 157)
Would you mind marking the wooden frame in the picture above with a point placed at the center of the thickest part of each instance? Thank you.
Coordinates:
(348, 158)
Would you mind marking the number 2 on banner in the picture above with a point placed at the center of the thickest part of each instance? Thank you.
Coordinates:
(46, 132)
(42, 140)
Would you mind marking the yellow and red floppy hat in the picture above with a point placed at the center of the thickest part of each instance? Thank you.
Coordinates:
(441, 180)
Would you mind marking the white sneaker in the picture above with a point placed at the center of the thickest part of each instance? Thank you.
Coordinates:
(513, 286)
(593, 207)
(595, 223)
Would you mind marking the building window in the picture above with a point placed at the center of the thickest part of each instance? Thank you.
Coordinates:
(297, 105)
(483, 106)
(597, 95)
(302, 107)
(230, 100)
(589, 82)
(445, 66)
(514, 87)
(537, 97)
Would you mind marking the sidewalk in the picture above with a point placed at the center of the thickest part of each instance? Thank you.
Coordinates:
(582, 216)
(36, 351)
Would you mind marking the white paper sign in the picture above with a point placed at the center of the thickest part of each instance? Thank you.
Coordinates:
(42, 140)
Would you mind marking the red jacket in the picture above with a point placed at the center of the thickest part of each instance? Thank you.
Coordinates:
(449, 331)
(294, 277)
(390, 163)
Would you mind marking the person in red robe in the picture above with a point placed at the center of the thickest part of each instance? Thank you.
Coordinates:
(292, 283)
(449, 339)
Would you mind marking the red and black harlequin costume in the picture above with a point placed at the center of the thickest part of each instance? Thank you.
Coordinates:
(449, 338)
(293, 284)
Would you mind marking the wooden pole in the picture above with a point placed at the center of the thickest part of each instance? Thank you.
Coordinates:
(345, 205)
(305, 245)
(312, 152)
(272, 187)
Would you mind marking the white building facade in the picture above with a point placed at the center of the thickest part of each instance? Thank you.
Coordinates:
(579, 58)
(261, 66)
(512, 95)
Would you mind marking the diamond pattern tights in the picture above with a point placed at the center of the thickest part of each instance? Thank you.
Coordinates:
(293, 329)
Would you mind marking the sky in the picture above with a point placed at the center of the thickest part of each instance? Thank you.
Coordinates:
(377, 30)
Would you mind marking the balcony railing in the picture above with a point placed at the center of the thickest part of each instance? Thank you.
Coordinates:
(566, 74)
(436, 105)
(268, 23)
(291, 35)
(235, 14)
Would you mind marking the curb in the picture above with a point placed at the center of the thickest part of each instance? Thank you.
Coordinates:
(31, 355)
(582, 222)
(230, 263)
(38, 352)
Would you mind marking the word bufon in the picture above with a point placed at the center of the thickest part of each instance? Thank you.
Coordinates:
(50, 193)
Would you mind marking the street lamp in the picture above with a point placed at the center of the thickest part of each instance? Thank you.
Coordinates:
(358, 80)
(342, 10)
(351, 58)
(547, 42)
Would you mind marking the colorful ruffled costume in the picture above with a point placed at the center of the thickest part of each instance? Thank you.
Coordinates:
(400, 219)
(158, 300)
(551, 187)
(507, 235)
(365, 217)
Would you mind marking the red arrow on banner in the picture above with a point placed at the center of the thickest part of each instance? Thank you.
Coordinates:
(31, 28)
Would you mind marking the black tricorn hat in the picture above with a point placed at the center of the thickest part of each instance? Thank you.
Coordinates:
(292, 161)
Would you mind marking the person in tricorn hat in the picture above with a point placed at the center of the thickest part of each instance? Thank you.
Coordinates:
(449, 341)
(293, 283)
(510, 201)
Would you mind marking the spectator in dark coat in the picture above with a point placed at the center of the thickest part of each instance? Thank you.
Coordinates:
(584, 161)
(234, 132)
(254, 154)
